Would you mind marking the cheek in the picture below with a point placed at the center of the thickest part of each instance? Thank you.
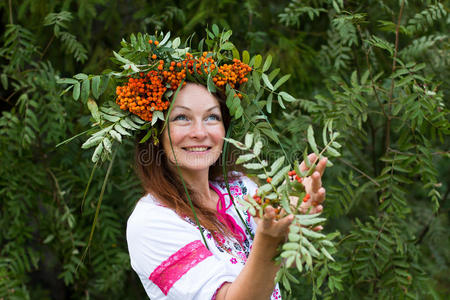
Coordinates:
(219, 135)
(176, 135)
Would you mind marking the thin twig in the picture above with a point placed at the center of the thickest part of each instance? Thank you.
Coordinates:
(10, 13)
(394, 64)
(372, 83)
(415, 154)
(48, 45)
(12, 95)
(359, 171)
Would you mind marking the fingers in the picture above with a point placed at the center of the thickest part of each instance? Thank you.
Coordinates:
(272, 226)
(318, 197)
(307, 208)
(321, 165)
(269, 215)
(312, 158)
(318, 228)
(316, 182)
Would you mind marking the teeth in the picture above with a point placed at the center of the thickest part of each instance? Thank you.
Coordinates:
(197, 149)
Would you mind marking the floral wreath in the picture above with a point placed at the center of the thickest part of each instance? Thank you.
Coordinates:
(154, 68)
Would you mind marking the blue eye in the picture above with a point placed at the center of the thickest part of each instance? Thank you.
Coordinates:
(180, 117)
(214, 117)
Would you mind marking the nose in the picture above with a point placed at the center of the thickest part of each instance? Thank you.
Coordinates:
(198, 130)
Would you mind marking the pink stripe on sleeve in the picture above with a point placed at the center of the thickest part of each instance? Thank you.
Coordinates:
(171, 270)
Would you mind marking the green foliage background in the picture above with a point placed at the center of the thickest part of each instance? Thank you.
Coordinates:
(378, 69)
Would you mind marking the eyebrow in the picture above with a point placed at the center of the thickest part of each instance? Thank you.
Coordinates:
(187, 108)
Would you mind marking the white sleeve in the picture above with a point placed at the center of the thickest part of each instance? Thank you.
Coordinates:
(169, 257)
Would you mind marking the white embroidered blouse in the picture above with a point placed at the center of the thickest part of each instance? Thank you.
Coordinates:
(169, 256)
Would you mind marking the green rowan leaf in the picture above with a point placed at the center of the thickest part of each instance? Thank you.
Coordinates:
(311, 140)
(227, 46)
(280, 175)
(298, 263)
(76, 91)
(164, 40)
(253, 166)
(312, 234)
(110, 118)
(293, 237)
(264, 188)
(237, 144)
(92, 141)
(115, 135)
(107, 144)
(93, 108)
(245, 158)
(85, 90)
(98, 151)
(257, 148)
(121, 130)
(96, 86)
(267, 81)
(245, 57)
(327, 255)
(248, 140)
(267, 63)
(276, 165)
(281, 81)
(257, 61)
(287, 97)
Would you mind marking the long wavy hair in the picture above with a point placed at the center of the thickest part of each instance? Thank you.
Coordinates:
(164, 183)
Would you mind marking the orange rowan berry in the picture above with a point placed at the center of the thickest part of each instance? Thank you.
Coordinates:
(306, 198)
(154, 56)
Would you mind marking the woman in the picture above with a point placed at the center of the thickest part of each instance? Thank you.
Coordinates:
(166, 247)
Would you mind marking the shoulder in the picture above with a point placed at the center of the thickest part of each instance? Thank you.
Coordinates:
(147, 212)
(149, 216)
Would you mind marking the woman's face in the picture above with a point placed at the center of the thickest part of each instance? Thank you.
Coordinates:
(196, 129)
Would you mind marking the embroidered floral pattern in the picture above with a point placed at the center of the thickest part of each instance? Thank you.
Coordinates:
(233, 261)
(242, 256)
(170, 270)
(276, 294)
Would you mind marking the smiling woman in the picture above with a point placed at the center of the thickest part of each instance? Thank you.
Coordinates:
(166, 250)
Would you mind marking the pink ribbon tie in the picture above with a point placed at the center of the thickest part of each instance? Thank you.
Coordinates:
(226, 218)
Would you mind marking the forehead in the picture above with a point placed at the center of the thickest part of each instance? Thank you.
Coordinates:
(195, 96)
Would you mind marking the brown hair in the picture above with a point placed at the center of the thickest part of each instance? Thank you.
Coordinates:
(158, 179)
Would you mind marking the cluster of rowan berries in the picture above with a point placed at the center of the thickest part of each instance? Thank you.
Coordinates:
(142, 95)
(293, 176)
(177, 70)
(233, 74)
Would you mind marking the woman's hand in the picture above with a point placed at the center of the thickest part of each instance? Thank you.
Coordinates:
(272, 227)
(313, 186)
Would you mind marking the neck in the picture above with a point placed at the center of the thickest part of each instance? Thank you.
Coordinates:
(199, 182)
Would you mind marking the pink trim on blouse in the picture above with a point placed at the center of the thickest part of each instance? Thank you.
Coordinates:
(170, 270)
(226, 218)
(215, 294)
